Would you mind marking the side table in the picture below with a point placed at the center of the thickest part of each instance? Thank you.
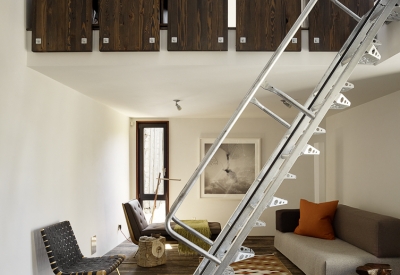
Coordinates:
(151, 251)
(374, 269)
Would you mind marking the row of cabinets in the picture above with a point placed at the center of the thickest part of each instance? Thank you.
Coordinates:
(193, 25)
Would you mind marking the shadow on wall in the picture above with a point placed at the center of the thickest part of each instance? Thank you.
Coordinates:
(40, 261)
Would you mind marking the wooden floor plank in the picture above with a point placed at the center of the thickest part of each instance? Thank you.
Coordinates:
(186, 265)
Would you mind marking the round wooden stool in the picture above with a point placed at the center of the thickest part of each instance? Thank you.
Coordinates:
(151, 251)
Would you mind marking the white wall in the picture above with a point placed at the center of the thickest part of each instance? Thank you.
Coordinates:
(184, 156)
(363, 156)
(63, 156)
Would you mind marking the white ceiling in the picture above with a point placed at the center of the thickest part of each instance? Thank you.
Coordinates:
(209, 84)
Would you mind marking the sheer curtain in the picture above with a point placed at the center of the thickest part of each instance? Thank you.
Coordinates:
(153, 165)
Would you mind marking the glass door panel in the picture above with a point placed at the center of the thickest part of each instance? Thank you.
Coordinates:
(152, 144)
(153, 162)
(159, 213)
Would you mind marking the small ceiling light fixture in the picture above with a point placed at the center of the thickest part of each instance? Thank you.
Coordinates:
(177, 105)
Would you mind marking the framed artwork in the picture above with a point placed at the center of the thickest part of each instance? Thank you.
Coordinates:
(232, 169)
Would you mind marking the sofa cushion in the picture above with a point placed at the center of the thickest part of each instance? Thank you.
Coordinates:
(287, 219)
(316, 219)
(374, 233)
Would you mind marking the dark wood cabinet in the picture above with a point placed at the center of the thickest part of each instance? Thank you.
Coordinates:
(261, 25)
(330, 26)
(62, 26)
(198, 25)
(129, 25)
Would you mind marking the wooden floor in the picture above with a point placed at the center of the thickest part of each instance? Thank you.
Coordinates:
(186, 265)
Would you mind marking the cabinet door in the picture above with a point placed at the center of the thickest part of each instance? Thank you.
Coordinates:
(129, 25)
(261, 25)
(62, 26)
(198, 25)
(330, 26)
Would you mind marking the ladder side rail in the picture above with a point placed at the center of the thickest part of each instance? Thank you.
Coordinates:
(335, 85)
(348, 54)
(230, 124)
(379, 7)
(351, 45)
(304, 138)
(356, 29)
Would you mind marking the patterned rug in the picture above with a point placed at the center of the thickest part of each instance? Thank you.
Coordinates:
(261, 265)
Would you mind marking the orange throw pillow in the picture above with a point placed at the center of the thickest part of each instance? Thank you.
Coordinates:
(316, 219)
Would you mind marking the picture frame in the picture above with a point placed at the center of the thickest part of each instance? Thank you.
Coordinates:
(232, 169)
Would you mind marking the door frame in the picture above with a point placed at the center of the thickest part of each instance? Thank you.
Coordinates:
(139, 160)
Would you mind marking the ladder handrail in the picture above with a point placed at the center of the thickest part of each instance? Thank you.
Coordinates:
(207, 158)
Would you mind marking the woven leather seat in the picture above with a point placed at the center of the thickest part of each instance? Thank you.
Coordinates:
(138, 225)
(65, 255)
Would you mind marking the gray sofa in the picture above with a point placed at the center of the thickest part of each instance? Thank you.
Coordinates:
(361, 237)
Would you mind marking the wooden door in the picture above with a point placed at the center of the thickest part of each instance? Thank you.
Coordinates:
(62, 26)
(330, 26)
(129, 25)
(198, 25)
(261, 25)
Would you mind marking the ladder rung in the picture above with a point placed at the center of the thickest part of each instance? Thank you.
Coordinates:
(371, 56)
(229, 271)
(309, 150)
(290, 100)
(347, 87)
(376, 42)
(341, 102)
(319, 131)
(395, 15)
(290, 176)
(277, 202)
(274, 116)
(243, 253)
(260, 224)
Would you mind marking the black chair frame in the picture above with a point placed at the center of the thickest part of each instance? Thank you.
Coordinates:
(65, 255)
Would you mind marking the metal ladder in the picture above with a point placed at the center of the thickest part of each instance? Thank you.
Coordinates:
(359, 48)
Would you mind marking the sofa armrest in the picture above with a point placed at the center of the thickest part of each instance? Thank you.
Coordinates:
(287, 219)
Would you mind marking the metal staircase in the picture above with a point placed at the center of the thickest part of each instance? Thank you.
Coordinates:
(361, 47)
